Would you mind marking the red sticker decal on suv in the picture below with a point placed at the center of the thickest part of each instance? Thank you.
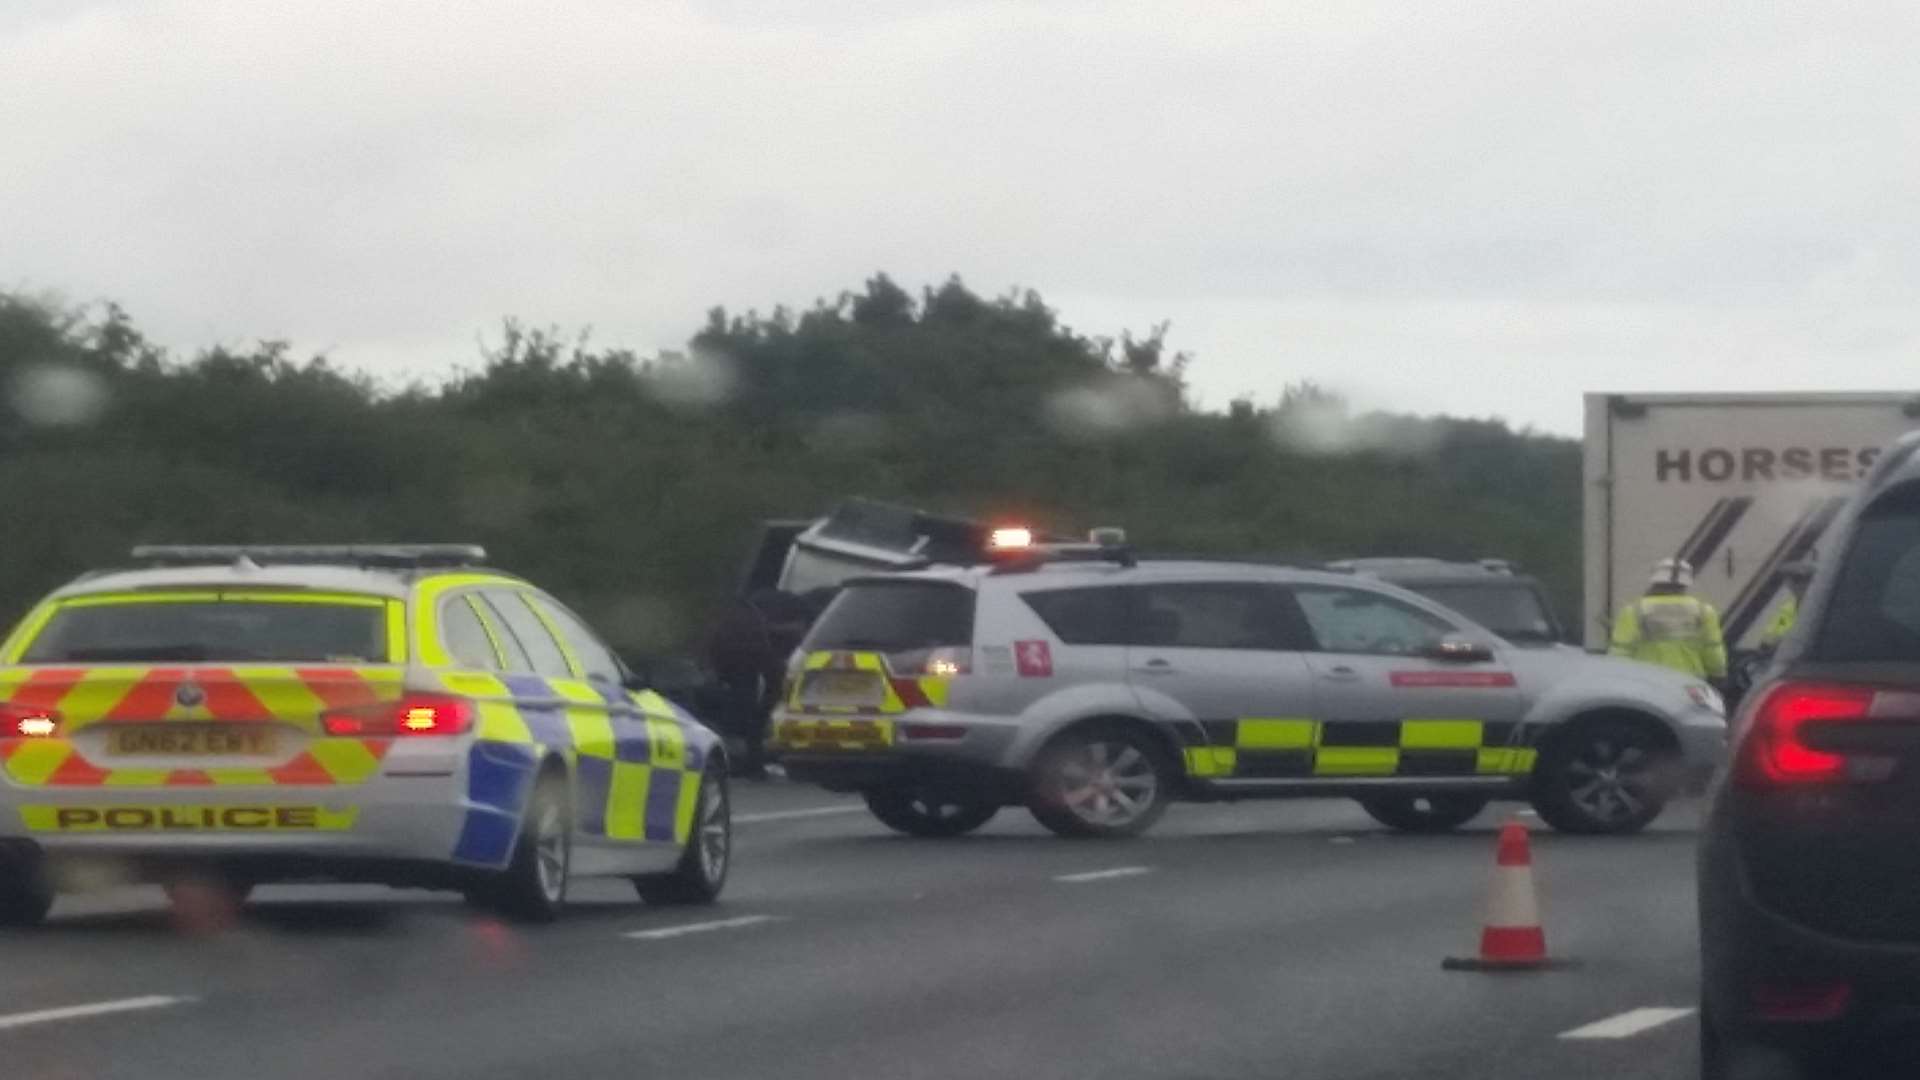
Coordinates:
(1034, 659)
(1462, 679)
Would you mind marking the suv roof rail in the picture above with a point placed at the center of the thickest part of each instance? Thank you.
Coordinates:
(1415, 563)
(1285, 562)
(385, 556)
(1111, 547)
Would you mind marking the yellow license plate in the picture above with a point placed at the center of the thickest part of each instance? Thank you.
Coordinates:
(181, 740)
(842, 688)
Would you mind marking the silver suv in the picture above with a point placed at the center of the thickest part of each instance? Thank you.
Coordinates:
(1094, 690)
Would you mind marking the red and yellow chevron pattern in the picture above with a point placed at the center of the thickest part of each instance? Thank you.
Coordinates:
(89, 697)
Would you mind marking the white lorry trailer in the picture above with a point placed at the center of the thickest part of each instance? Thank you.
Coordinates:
(1739, 485)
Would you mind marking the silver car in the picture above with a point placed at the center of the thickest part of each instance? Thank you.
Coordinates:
(1095, 689)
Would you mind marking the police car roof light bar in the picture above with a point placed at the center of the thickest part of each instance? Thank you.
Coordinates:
(1107, 545)
(399, 556)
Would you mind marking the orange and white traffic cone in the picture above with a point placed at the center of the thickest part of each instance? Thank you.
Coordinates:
(1512, 939)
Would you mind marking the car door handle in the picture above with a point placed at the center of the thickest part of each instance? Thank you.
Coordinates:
(1340, 673)
(1157, 667)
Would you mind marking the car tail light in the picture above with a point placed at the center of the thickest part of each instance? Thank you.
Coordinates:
(1774, 751)
(28, 722)
(414, 714)
(933, 731)
(1801, 1002)
(943, 660)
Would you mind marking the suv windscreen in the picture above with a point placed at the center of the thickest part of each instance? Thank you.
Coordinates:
(895, 616)
(1874, 611)
(1511, 609)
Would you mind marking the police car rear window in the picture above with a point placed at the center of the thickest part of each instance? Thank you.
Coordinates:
(894, 616)
(159, 630)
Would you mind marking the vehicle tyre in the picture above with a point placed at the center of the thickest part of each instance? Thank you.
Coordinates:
(927, 813)
(1101, 782)
(1436, 813)
(702, 870)
(1713, 1054)
(1608, 777)
(25, 893)
(533, 887)
(1739, 1061)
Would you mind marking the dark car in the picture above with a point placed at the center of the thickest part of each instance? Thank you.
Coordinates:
(1491, 592)
(1810, 853)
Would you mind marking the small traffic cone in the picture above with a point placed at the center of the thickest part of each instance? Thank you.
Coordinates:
(1513, 939)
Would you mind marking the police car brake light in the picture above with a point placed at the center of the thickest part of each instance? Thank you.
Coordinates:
(25, 722)
(412, 715)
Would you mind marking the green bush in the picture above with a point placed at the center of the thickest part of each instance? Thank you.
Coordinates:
(632, 487)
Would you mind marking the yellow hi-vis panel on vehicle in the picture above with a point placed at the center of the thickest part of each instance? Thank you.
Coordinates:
(1279, 749)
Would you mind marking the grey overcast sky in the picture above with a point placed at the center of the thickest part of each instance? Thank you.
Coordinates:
(1477, 208)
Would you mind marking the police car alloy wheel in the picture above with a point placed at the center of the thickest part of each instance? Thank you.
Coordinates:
(928, 813)
(1106, 781)
(702, 870)
(1424, 813)
(533, 888)
(1606, 777)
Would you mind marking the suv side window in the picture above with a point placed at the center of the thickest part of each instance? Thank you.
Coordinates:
(596, 660)
(1214, 615)
(464, 636)
(1361, 621)
(1873, 613)
(527, 629)
(1085, 616)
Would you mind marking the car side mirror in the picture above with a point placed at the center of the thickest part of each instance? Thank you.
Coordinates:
(1459, 650)
(633, 676)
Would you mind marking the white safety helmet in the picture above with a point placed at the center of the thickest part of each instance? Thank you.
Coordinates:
(1673, 572)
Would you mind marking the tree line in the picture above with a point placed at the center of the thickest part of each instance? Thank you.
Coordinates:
(632, 485)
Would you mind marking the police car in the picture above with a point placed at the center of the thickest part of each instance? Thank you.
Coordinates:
(392, 714)
(1094, 688)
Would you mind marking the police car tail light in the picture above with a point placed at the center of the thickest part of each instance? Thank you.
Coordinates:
(414, 714)
(941, 660)
(25, 722)
(1783, 743)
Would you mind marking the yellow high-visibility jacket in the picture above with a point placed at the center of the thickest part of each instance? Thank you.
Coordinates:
(1783, 621)
(1681, 632)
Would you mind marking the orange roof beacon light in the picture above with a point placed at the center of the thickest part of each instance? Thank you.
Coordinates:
(1010, 538)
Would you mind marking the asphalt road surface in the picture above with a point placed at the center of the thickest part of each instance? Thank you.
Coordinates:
(1288, 939)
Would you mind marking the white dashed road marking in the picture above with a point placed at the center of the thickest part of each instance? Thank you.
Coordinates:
(97, 1008)
(1627, 1024)
(789, 815)
(702, 927)
(1102, 875)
